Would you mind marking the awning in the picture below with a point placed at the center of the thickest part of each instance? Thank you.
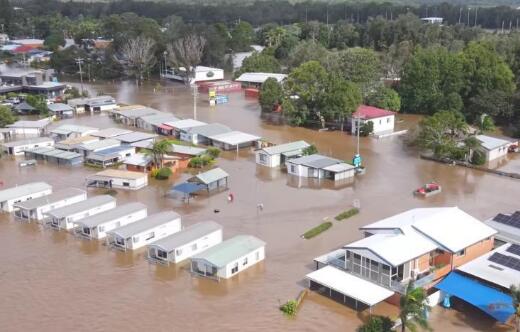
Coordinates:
(165, 127)
(495, 303)
(350, 285)
(188, 187)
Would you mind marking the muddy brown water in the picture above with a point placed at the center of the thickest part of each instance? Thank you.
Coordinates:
(53, 281)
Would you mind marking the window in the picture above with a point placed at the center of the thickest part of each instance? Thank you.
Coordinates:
(293, 169)
(245, 261)
(126, 184)
(461, 253)
(86, 230)
(387, 120)
(380, 121)
(128, 154)
(136, 239)
(263, 157)
(178, 252)
(150, 236)
(235, 268)
(162, 254)
(101, 228)
(194, 247)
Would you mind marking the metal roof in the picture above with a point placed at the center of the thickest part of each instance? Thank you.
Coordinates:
(492, 143)
(209, 129)
(120, 174)
(98, 100)
(235, 138)
(138, 159)
(23, 190)
(184, 124)
(100, 144)
(31, 124)
(111, 132)
(70, 142)
(149, 222)
(285, 148)
(36, 140)
(112, 214)
(81, 206)
(24, 106)
(68, 128)
(260, 77)
(137, 112)
(230, 250)
(159, 119)
(50, 199)
(339, 168)
(135, 137)
(188, 150)
(315, 161)
(211, 176)
(59, 107)
(55, 153)
(187, 235)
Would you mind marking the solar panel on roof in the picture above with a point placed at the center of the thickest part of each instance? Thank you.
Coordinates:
(514, 249)
(502, 218)
(512, 220)
(507, 261)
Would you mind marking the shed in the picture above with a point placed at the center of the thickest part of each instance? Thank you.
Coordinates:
(17, 148)
(96, 226)
(186, 243)
(493, 147)
(22, 193)
(228, 258)
(257, 79)
(277, 155)
(65, 217)
(35, 209)
(212, 179)
(60, 110)
(320, 167)
(382, 120)
(234, 140)
(145, 231)
(118, 179)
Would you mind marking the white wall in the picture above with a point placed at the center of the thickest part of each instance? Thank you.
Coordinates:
(139, 240)
(200, 76)
(252, 259)
(68, 222)
(202, 244)
(496, 153)
(19, 150)
(99, 232)
(39, 212)
(8, 206)
(303, 171)
(133, 184)
(344, 175)
(382, 124)
(269, 160)
(27, 131)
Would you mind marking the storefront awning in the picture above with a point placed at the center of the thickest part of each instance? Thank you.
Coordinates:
(350, 285)
(495, 303)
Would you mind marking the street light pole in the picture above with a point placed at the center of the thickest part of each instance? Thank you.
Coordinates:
(195, 92)
(79, 61)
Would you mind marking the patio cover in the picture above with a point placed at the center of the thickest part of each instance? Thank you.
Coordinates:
(495, 303)
(188, 187)
(350, 285)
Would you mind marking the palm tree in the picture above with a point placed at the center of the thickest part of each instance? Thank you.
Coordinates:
(515, 294)
(413, 306)
(158, 150)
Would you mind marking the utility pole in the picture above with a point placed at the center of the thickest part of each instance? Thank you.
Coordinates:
(476, 13)
(460, 14)
(195, 93)
(79, 61)
(469, 9)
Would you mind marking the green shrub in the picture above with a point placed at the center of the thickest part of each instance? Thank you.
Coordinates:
(195, 162)
(311, 149)
(347, 214)
(214, 152)
(163, 173)
(366, 128)
(479, 158)
(457, 153)
(377, 324)
(317, 230)
(289, 308)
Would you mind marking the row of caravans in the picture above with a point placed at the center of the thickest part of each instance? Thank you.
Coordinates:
(129, 227)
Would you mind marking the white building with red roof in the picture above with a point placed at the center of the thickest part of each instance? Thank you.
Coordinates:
(382, 119)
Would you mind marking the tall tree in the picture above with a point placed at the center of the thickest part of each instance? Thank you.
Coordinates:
(385, 98)
(187, 52)
(340, 99)
(158, 150)
(6, 116)
(361, 66)
(412, 308)
(139, 57)
(441, 132)
(259, 62)
(271, 94)
(242, 37)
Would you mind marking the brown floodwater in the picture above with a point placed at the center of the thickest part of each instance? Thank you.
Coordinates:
(53, 281)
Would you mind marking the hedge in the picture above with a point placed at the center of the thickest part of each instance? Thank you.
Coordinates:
(347, 214)
(317, 230)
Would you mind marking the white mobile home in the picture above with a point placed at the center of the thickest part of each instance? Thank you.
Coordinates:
(70, 131)
(35, 209)
(234, 140)
(72, 144)
(382, 120)
(320, 167)
(201, 134)
(95, 227)
(118, 179)
(22, 193)
(146, 231)
(110, 133)
(186, 243)
(94, 104)
(228, 258)
(277, 155)
(492, 147)
(65, 217)
(60, 110)
(30, 128)
(98, 145)
(17, 148)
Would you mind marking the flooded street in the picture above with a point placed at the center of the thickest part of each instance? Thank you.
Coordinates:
(54, 281)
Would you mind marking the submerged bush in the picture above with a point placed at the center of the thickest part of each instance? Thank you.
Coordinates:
(163, 173)
(289, 308)
(347, 214)
(317, 230)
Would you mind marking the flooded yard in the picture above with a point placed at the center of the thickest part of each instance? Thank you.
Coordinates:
(54, 281)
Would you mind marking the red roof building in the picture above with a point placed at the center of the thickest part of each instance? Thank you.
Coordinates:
(370, 112)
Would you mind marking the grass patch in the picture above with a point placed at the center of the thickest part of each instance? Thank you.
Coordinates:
(347, 214)
(317, 230)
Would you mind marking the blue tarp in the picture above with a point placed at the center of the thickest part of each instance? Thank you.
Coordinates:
(188, 187)
(495, 303)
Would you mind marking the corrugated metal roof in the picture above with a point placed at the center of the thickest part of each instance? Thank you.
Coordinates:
(188, 150)
(111, 132)
(230, 250)
(23, 190)
(31, 124)
(137, 112)
(135, 137)
(235, 138)
(112, 214)
(159, 119)
(36, 140)
(55, 153)
(285, 148)
(121, 174)
(149, 222)
(491, 143)
(50, 199)
(184, 124)
(211, 175)
(99, 145)
(81, 206)
(59, 107)
(73, 129)
(138, 159)
(315, 161)
(338, 168)
(260, 77)
(70, 142)
(210, 129)
(84, 101)
(187, 235)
